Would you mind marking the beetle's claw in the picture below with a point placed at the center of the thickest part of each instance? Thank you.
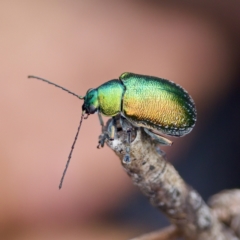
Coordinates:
(127, 159)
(102, 138)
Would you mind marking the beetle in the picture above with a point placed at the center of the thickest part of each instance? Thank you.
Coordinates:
(157, 105)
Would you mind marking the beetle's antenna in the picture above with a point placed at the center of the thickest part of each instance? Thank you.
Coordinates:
(70, 154)
(44, 80)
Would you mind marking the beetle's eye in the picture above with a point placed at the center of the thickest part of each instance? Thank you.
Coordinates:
(92, 109)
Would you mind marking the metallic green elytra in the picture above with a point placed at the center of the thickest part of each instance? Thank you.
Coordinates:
(157, 105)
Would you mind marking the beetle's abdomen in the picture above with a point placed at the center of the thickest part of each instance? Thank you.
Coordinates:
(157, 103)
(110, 97)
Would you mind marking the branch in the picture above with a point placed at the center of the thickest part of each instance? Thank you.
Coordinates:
(226, 207)
(166, 190)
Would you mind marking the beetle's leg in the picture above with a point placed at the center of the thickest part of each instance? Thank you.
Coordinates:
(103, 136)
(102, 139)
(109, 133)
(100, 119)
(159, 139)
(127, 158)
(112, 127)
(127, 127)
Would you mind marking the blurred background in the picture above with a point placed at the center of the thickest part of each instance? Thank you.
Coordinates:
(80, 45)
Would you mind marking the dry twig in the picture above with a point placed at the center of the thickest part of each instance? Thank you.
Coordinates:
(226, 207)
(166, 190)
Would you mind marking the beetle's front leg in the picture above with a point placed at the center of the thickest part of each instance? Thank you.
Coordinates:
(103, 136)
(109, 133)
(100, 118)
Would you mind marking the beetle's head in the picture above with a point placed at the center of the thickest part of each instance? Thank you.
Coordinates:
(91, 103)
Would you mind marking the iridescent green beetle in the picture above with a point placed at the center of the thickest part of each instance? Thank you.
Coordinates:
(158, 105)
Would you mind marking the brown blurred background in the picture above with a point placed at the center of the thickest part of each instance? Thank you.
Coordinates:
(80, 45)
